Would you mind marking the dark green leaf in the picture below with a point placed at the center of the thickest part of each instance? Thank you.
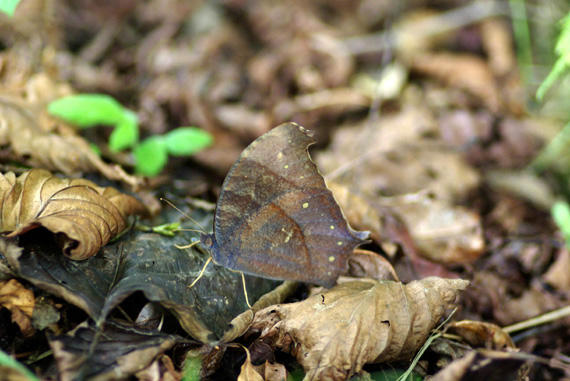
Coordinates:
(120, 349)
(186, 141)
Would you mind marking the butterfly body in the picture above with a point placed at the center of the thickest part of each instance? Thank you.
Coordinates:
(276, 218)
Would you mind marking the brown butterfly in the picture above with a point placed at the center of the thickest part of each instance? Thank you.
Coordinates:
(276, 218)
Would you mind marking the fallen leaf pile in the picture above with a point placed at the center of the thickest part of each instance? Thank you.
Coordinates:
(424, 136)
(334, 333)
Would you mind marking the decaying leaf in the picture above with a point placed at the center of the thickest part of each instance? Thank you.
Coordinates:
(367, 264)
(557, 274)
(214, 309)
(82, 216)
(466, 72)
(24, 129)
(248, 372)
(20, 302)
(482, 334)
(333, 334)
(442, 232)
(119, 351)
(362, 215)
(487, 365)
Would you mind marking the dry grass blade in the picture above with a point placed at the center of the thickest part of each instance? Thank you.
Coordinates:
(82, 216)
(330, 334)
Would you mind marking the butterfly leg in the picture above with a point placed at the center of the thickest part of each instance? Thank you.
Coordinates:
(201, 272)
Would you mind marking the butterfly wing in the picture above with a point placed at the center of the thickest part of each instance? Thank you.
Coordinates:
(276, 218)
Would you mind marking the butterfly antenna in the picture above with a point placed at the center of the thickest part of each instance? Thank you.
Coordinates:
(184, 214)
(187, 246)
(245, 290)
(201, 272)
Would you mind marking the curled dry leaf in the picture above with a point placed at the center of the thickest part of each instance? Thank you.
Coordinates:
(330, 334)
(367, 264)
(482, 334)
(248, 372)
(20, 302)
(81, 215)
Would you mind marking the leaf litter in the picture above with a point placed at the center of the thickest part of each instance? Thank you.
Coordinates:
(413, 168)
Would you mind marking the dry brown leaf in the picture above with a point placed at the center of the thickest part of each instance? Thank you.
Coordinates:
(486, 364)
(401, 160)
(361, 214)
(557, 274)
(28, 131)
(274, 372)
(367, 264)
(248, 372)
(20, 302)
(442, 232)
(497, 39)
(81, 215)
(482, 334)
(333, 334)
(465, 72)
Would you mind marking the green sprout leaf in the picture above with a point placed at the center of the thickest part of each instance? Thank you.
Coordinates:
(192, 367)
(126, 133)
(9, 364)
(88, 110)
(562, 64)
(9, 6)
(561, 214)
(151, 156)
(186, 141)
(167, 230)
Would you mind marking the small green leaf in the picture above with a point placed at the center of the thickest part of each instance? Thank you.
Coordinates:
(185, 141)
(126, 133)
(88, 110)
(192, 367)
(561, 214)
(562, 64)
(9, 6)
(150, 156)
(167, 230)
(7, 361)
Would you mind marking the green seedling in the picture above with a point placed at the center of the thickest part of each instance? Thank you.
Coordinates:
(561, 214)
(19, 371)
(185, 141)
(167, 230)
(562, 64)
(9, 6)
(126, 132)
(151, 155)
(89, 110)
